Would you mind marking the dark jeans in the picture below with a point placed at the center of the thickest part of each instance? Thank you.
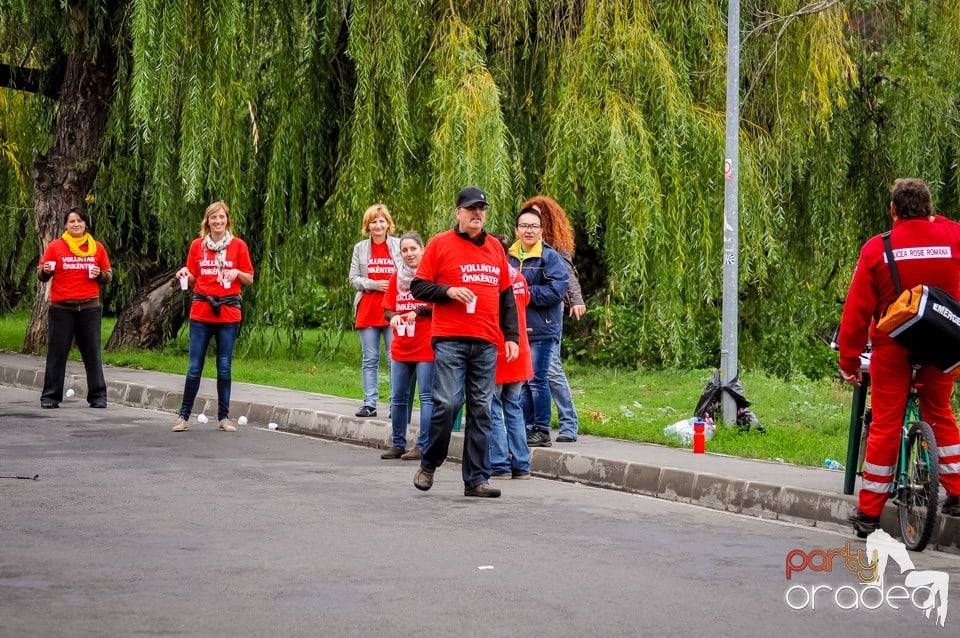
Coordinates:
(458, 367)
(63, 326)
(201, 333)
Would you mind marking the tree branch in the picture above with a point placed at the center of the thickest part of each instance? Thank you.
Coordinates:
(814, 7)
(44, 82)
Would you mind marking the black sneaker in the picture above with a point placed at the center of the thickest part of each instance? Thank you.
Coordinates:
(49, 405)
(863, 524)
(538, 438)
(367, 411)
(563, 438)
(951, 506)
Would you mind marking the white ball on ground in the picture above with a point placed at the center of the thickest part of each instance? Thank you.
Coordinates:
(242, 420)
(70, 392)
(202, 418)
(272, 426)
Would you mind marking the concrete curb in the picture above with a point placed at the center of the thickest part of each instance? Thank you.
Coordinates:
(750, 498)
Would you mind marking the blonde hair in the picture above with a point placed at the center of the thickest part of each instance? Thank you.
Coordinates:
(375, 211)
(215, 207)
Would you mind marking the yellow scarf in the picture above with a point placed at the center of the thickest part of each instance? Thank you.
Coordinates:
(83, 246)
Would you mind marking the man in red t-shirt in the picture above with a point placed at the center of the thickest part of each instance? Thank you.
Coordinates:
(464, 273)
(871, 291)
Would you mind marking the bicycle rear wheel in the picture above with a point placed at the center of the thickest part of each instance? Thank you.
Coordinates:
(918, 497)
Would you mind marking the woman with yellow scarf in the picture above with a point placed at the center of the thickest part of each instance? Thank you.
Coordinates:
(76, 265)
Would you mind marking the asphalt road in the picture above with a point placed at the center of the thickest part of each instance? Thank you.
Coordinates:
(133, 530)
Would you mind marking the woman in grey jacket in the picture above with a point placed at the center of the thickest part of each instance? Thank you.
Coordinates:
(374, 260)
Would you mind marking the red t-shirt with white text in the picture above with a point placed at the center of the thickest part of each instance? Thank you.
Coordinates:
(202, 264)
(451, 260)
(380, 267)
(71, 276)
(407, 348)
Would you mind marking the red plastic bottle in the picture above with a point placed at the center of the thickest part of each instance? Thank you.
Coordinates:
(699, 438)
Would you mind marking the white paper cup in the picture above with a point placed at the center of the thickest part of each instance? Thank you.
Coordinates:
(401, 330)
(90, 273)
(184, 283)
(472, 306)
(411, 328)
(52, 264)
(226, 284)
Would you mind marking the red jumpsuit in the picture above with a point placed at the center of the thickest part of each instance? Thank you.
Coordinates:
(871, 291)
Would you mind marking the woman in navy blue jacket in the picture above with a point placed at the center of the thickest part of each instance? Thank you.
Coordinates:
(547, 275)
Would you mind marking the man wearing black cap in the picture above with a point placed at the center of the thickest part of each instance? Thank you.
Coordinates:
(465, 274)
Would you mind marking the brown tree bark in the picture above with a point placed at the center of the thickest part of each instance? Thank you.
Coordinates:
(153, 316)
(64, 176)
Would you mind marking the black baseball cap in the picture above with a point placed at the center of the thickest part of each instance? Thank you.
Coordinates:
(471, 196)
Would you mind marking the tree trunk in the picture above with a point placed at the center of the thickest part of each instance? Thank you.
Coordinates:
(64, 176)
(153, 316)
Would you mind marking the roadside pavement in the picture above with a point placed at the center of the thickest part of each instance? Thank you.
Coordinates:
(802, 495)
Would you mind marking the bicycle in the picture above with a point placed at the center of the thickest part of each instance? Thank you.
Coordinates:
(915, 488)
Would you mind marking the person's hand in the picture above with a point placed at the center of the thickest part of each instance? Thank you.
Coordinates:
(396, 320)
(183, 272)
(382, 285)
(94, 271)
(461, 294)
(853, 378)
(512, 350)
(577, 311)
(410, 317)
(48, 266)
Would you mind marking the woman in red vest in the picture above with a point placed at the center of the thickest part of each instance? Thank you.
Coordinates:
(374, 261)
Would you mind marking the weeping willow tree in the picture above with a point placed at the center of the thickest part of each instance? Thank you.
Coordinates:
(300, 114)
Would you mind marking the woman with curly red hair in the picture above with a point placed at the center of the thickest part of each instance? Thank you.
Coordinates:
(558, 233)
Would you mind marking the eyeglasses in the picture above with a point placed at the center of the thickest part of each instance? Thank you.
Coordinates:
(528, 226)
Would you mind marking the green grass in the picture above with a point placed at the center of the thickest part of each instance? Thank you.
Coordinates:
(806, 421)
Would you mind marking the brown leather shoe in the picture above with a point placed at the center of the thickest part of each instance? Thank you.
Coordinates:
(413, 454)
(227, 426)
(423, 480)
(483, 491)
(181, 425)
(393, 453)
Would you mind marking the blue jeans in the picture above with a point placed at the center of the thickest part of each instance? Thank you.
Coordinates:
(536, 392)
(509, 453)
(462, 367)
(201, 333)
(370, 366)
(560, 391)
(403, 375)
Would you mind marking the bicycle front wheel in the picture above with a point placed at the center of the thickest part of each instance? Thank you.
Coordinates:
(919, 490)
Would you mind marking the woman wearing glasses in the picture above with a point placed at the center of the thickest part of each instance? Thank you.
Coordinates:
(558, 232)
(546, 275)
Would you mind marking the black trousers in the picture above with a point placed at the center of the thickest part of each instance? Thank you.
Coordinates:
(63, 326)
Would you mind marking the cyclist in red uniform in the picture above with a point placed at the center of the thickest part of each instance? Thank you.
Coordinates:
(926, 248)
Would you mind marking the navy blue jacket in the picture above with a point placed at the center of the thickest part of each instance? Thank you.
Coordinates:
(547, 276)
